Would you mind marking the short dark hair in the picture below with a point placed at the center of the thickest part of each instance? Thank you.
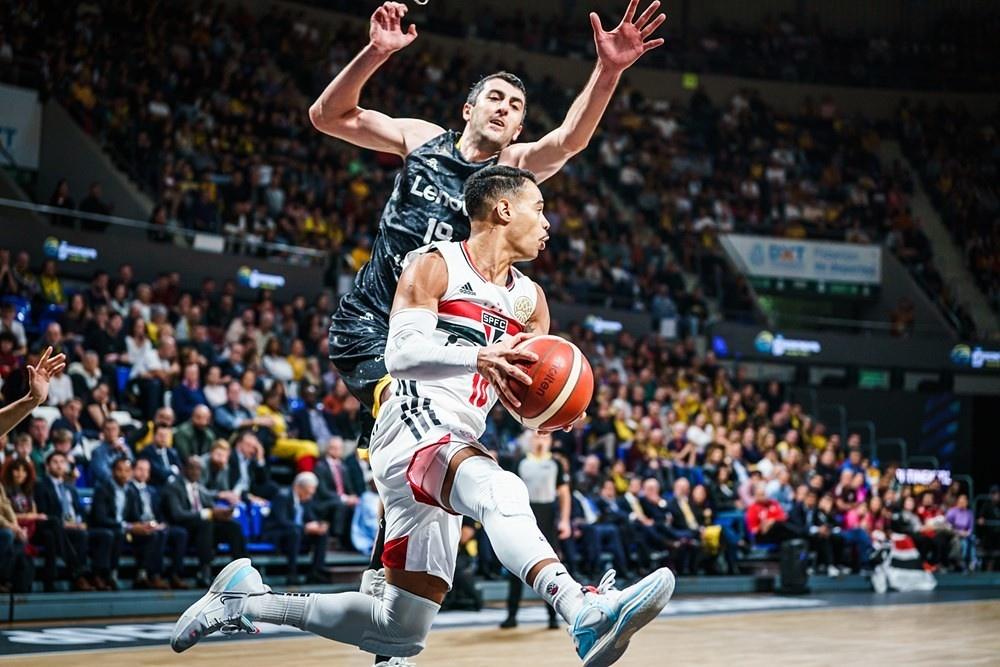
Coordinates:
(486, 186)
(512, 79)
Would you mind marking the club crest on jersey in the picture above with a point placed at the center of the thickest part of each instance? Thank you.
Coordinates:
(523, 309)
(494, 325)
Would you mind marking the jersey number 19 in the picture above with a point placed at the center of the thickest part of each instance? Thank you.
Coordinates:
(438, 230)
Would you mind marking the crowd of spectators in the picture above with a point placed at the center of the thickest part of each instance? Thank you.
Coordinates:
(956, 53)
(208, 115)
(958, 157)
(183, 415)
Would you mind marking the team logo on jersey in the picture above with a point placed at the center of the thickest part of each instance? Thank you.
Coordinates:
(495, 326)
(523, 309)
(467, 289)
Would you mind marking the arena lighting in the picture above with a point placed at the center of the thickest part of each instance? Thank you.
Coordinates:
(63, 251)
(923, 476)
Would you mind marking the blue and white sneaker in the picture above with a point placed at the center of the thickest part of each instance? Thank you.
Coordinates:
(221, 608)
(609, 617)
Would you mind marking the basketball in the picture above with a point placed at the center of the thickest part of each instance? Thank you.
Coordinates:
(562, 384)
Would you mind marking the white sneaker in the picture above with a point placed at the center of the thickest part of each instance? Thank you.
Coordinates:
(609, 617)
(221, 608)
(373, 584)
(832, 571)
(396, 662)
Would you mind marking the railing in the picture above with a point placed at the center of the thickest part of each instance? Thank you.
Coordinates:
(853, 326)
(234, 243)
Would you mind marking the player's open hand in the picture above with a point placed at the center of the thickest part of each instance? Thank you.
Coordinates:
(498, 362)
(619, 48)
(386, 33)
(41, 373)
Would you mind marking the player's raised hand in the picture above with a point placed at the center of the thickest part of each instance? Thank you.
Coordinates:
(40, 374)
(619, 48)
(386, 33)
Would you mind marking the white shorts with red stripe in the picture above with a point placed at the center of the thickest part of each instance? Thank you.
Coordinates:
(409, 465)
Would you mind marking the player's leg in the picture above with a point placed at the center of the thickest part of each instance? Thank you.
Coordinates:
(395, 624)
(603, 619)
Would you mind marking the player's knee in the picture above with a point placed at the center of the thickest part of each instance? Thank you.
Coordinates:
(510, 495)
(404, 622)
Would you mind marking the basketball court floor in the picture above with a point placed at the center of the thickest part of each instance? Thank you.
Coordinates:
(941, 628)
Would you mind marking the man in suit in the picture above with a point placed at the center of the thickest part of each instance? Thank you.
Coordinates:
(292, 522)
(249, 476)
(64, 533)
(336, 496)
(114, 500)
(685, 526)
(146, 507)
(312, 421)
(195, 436)
(112, 447)
(190, 505)
(164, 463)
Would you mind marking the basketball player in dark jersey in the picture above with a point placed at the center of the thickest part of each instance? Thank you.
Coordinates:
(426, 203)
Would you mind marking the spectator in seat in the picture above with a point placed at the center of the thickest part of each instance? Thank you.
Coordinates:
(766, 520)
(231, 417)
(62, 442)
(810, 520)
(214, 389)
(14, 568)
(337, 494)
(98, 410)
(110, 510)
(86, 374)
(187, 395)
(293, 523)
(94, 203)
(988, 529)
(191, 506)
(9, 324)
(686, 526)
(69, 420)
(195, 436)
(112, 447)
(63, 533)
(312, 421)
(304, 452)
(164, 463)
(588, 479)
(146, 507)
(960, 519)
(660, 533)
(249, 476)
(595, 536)
(61, 198)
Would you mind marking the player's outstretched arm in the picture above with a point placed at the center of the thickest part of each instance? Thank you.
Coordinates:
(617, 50)
(38, 390)
(410, 350)
(336, 111)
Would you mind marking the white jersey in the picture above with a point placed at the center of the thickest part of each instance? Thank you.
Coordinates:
(472, 312)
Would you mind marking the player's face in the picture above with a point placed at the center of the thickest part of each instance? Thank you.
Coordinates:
(527, 228)
(497, 114)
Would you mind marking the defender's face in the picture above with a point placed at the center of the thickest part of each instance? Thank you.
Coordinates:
(498, 113)
(527, 229)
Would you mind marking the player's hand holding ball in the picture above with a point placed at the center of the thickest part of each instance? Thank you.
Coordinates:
(502, 361)
(386, 33)
(559, 387)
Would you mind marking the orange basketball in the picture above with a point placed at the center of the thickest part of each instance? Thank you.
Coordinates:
(562, 384)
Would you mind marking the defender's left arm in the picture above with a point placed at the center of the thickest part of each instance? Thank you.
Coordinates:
(617, 50)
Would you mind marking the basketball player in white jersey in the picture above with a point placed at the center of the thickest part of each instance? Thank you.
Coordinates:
(459, 313)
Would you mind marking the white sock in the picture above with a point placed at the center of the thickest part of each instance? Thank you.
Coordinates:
(555, 585)
(279, 608)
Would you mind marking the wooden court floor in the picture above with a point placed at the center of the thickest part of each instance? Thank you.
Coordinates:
(964, 633)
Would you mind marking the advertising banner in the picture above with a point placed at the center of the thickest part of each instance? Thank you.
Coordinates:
(814, 261)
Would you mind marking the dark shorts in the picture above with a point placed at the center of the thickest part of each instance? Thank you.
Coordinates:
(357, 350)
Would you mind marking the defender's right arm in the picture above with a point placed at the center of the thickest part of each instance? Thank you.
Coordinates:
(336, 111)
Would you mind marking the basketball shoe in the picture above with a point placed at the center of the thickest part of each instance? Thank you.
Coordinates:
(221, 608)
(609, 617)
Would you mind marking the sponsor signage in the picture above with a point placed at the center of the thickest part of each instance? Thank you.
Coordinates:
(255, 279)
(20, 126)
(922, 476)
(63, 251)
(826, 264)
(968, 356)
(777, 345)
